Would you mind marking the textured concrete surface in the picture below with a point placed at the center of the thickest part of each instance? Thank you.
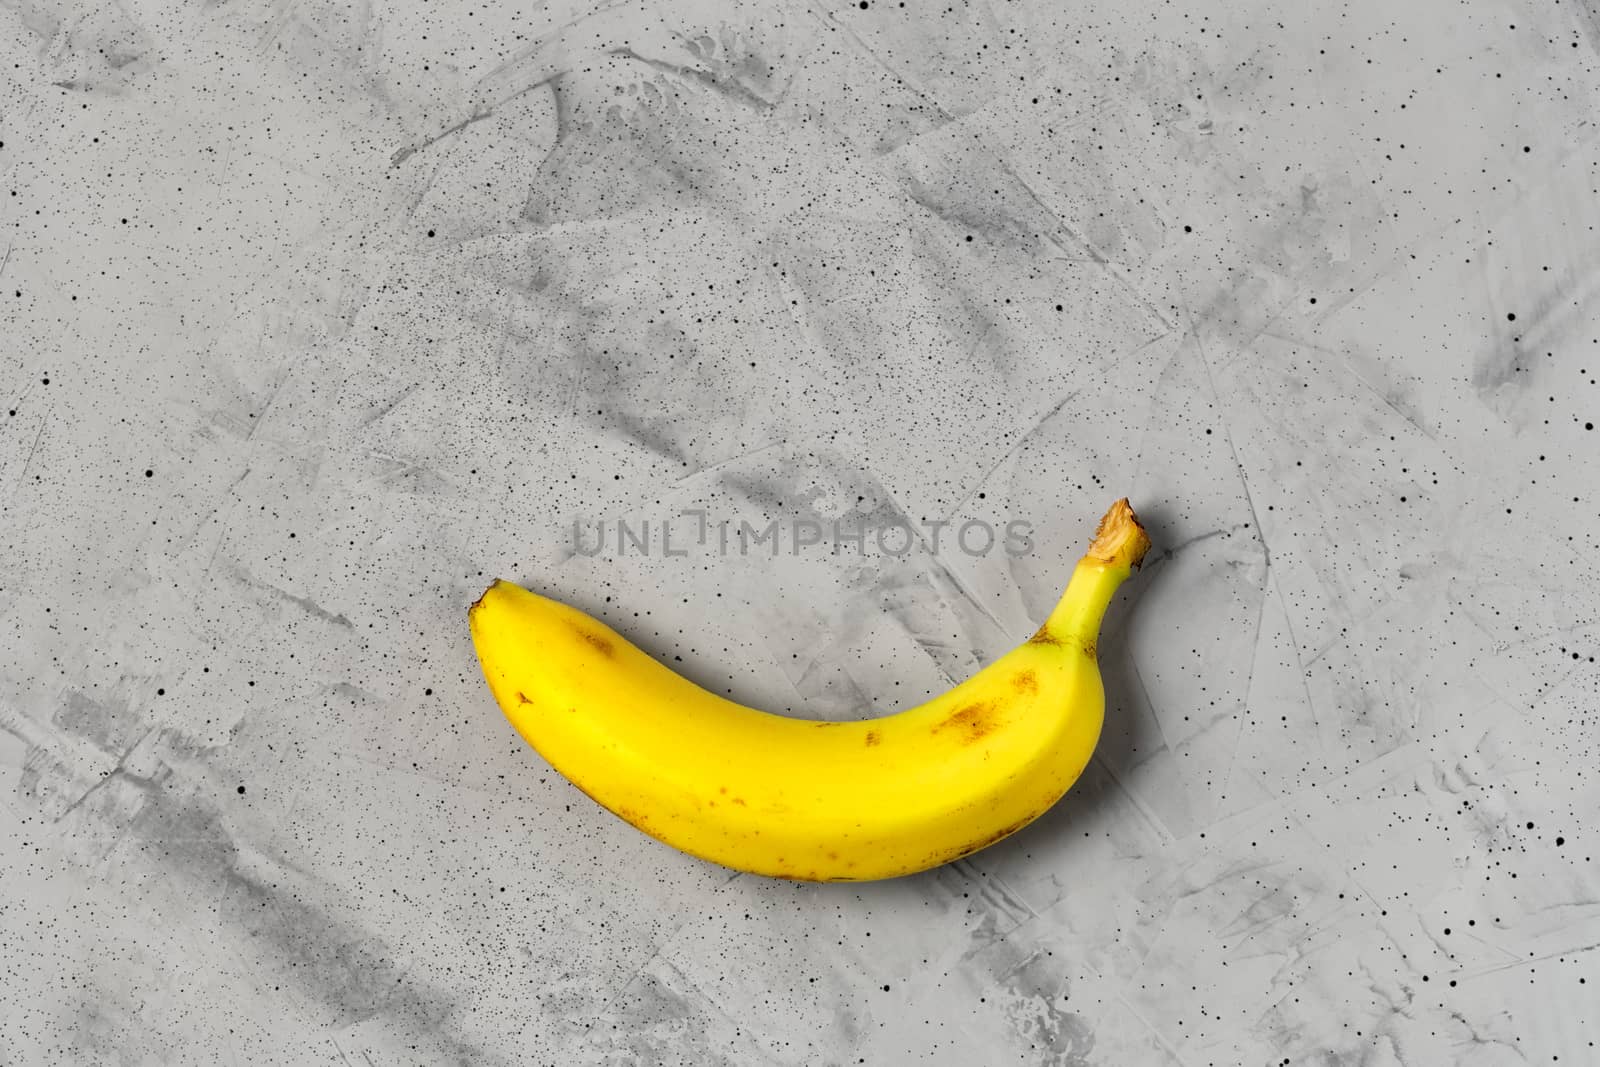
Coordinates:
(317, 314)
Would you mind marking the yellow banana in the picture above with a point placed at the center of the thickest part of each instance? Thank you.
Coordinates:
(793, 798)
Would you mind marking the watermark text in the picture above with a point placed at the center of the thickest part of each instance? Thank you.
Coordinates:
(694, 531)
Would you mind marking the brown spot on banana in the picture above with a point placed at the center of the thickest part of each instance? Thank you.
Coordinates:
(595, 641)
(974, 720)
(873, 738)
(633, 818)
(1026, 682)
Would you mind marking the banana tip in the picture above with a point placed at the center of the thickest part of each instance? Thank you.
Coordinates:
(476, 604)
(1120, 539)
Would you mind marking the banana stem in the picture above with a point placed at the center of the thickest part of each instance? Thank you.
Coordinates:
(1119, 546)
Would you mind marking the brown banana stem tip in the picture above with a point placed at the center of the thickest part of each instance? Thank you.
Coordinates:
(1119, 539)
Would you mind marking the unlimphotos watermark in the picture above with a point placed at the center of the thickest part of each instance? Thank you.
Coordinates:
(694, 531)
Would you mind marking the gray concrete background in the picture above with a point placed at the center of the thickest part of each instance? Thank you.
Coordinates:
(317, 315)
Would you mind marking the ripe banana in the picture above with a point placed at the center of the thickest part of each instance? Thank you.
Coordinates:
(799, 799)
